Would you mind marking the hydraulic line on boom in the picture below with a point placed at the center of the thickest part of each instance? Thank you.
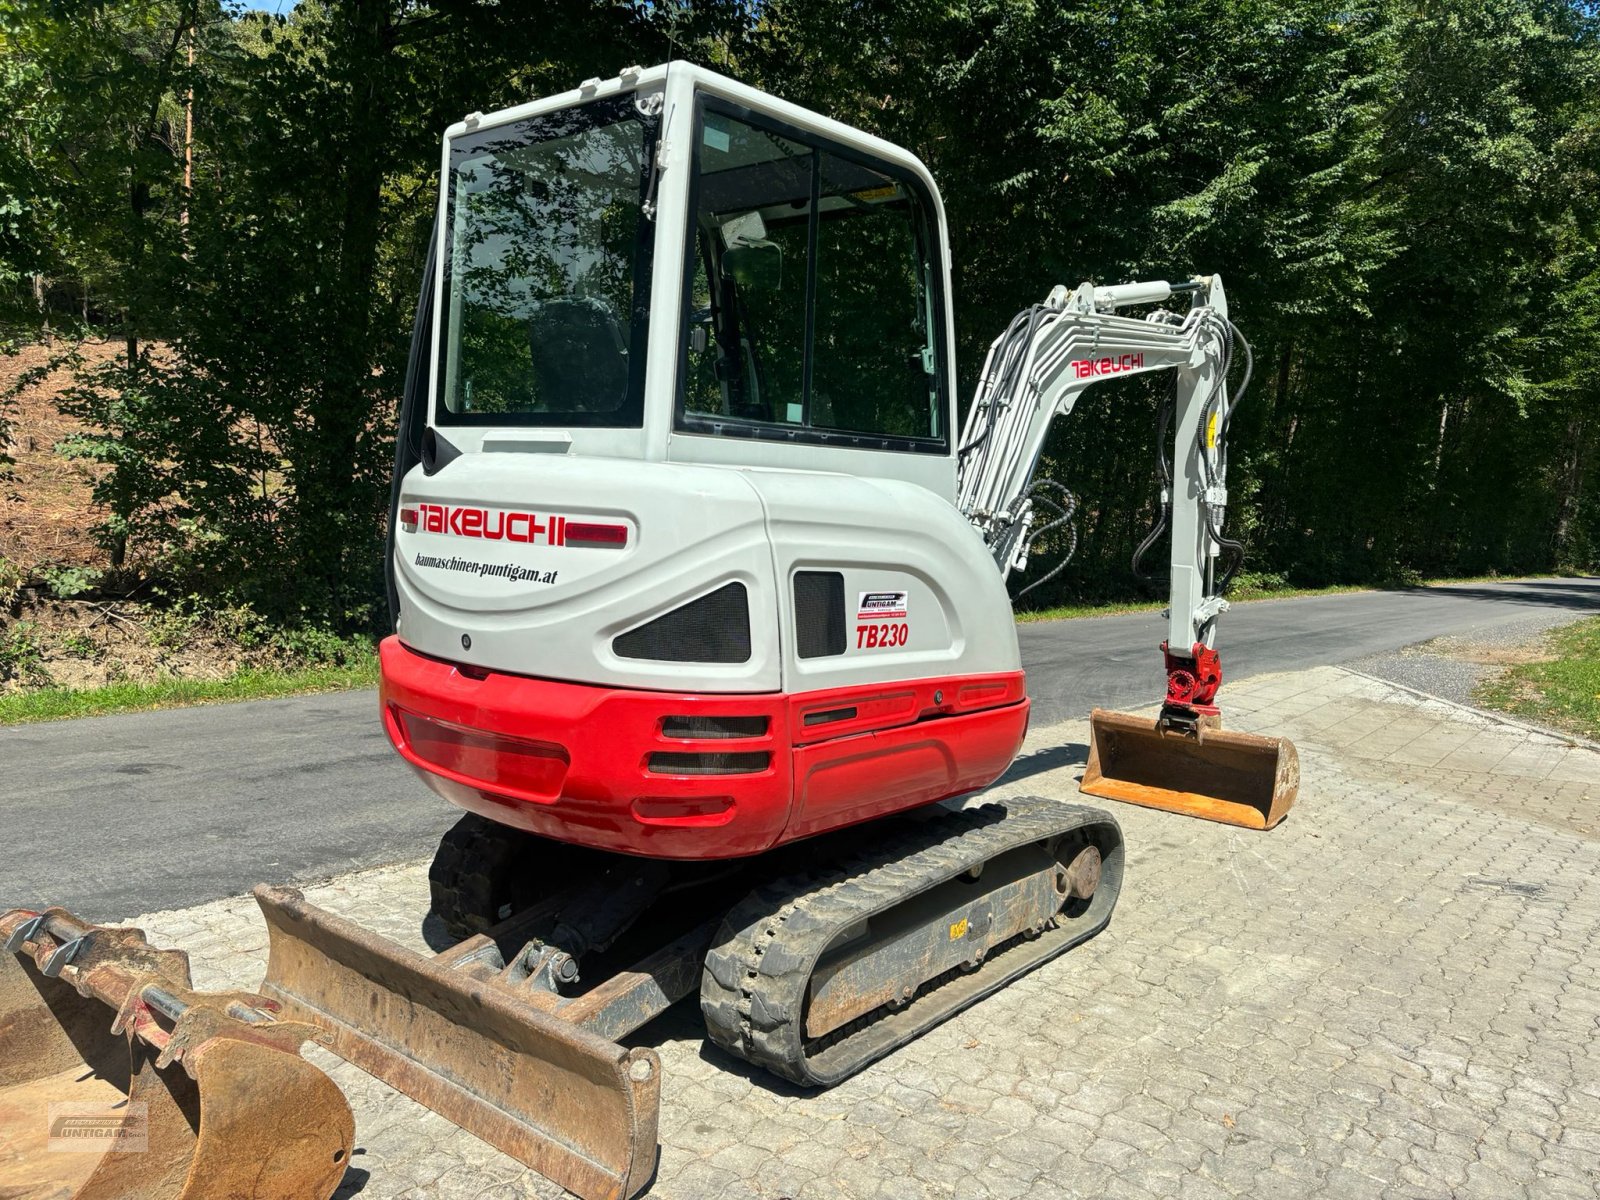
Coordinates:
(1035, 371)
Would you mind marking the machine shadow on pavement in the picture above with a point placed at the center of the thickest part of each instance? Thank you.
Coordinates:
(1045, 760)
(1553, 593)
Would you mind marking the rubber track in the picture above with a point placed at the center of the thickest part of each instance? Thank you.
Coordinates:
(753, 988)
(481, 867)
(459, 877)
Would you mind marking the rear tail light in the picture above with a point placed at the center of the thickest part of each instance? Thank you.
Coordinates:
(408, 519)
(591, 534)
(519, 764)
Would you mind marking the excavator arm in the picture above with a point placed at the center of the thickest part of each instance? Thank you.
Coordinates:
(1039, 368)
(1035, 371)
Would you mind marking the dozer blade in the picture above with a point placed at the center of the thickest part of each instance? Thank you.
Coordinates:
(118, 1082)
(1218, 775)
(483, 1053)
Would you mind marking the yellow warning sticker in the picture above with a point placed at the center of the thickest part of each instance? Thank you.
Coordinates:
(878, 193)
(958, 930)
(1211, 432)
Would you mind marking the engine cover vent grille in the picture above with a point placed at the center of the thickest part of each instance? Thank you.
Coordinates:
(713, 629)
(714, 727)
(668, 762)
(819, 613)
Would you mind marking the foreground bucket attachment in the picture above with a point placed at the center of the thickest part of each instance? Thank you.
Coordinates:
(488, 1055)
(1205, 771)
(118, 1081)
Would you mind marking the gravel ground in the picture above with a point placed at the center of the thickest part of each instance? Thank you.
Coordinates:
(1452, 667)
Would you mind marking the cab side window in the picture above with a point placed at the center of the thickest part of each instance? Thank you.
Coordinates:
(873, 366)
(810, 306)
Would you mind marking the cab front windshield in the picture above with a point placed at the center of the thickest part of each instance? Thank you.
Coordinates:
(546, 270)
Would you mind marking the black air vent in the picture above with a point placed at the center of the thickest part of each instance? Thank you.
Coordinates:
(714, 727)
(819, 613)
(829, 716)
(713, 629)
(668, 762)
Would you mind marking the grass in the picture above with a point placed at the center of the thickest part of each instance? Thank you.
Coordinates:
(1563, 692)
(59, 704)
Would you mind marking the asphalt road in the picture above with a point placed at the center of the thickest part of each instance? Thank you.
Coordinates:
(117, 816)
(1113, 662)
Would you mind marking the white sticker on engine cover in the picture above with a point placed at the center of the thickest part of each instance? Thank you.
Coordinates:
(887, 606)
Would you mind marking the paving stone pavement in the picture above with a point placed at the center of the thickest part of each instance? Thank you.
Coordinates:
(1394, 994)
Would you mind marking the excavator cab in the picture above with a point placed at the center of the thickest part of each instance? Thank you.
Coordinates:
(675, 562)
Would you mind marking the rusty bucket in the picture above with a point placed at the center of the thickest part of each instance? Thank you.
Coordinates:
(1240, 779)
(118, 1081)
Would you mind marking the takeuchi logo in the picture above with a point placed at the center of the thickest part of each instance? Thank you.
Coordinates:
(1085, 368)
(496, 525)
(492, 524)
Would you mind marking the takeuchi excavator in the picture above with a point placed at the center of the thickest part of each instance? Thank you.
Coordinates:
(701, 615)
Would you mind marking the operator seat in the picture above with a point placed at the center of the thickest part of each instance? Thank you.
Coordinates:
(579, 356)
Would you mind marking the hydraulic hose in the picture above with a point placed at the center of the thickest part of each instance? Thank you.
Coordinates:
(1065, 510)
(1010, 354)
(1164, 469)
(1234, 547)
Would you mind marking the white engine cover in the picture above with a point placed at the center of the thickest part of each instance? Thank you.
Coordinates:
(484, 579)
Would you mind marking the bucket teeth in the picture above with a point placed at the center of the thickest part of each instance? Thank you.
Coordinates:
(23, 933)
(60, 957)
(230, 1109)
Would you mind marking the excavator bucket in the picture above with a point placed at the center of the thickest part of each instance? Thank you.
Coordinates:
(118, 1081)
(456, 1036)
(1236, 778)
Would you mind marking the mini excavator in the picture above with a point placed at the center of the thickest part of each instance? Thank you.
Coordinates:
(701, 615)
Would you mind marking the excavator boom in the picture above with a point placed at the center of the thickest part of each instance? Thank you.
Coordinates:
(1180, 760)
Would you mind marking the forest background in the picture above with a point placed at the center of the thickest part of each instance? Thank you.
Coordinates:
(213, 221)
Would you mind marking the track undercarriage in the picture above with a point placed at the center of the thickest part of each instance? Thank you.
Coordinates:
(841, 949)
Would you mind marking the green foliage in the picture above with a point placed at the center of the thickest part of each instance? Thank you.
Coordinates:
(56, 703)
(172, 628)
(1400, 197)
(1260, 582)
(67, 583)
(80, 645)
(21, 655)
(176, 621)
(12, 578)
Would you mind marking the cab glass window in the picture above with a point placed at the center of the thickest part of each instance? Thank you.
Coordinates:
(810, 304)
(547, 270)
